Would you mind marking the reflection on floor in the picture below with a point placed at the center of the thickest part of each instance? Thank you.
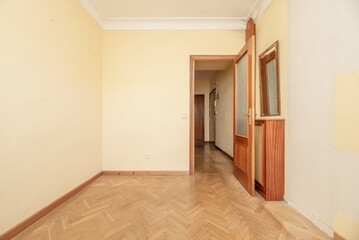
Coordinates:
(209, 205)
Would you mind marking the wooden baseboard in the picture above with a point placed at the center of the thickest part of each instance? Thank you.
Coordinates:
(147, 173)
(226, 154)
(29, 221)
(211, 142)
(32, 219)
(338, 237)
(260, 190)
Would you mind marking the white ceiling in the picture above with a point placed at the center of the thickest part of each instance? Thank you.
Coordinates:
(174, 14)
(174, 8)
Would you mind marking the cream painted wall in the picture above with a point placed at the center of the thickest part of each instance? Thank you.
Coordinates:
(202, 87)
(321, 181)
(272, 26)
(223, 82)
(346, 227)
(346, 112)
(50, 104)
(146, 89)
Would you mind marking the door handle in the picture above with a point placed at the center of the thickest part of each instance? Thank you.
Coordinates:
(249, 115)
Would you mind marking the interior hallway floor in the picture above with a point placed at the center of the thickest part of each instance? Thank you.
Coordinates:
(209, 205)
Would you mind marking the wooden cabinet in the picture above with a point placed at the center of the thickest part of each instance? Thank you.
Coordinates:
(269, 157)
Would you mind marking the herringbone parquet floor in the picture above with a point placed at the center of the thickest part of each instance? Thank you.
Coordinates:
(209, 205)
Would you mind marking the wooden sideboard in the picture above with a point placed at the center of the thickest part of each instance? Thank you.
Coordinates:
(269, 157)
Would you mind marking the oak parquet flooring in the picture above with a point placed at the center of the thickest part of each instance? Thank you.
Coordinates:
(209, 205)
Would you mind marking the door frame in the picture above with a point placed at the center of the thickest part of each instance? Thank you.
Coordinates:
(193, 59)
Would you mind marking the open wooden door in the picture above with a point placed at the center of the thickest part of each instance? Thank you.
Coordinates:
(244, 112)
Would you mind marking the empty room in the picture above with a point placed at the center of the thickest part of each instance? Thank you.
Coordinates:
(178, 119)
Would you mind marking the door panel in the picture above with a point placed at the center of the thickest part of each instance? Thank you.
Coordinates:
(244, 116)
(242, 95)
(199, 118)
(242, 157)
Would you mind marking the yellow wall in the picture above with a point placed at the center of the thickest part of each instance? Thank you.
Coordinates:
(346, 112)
(322, 167)
(272, 26)
(202, 87)
(346, 227)
(53, 60)
(223, 82)
(146, 89)
(50, 103)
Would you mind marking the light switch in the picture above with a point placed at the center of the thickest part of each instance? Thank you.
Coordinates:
(184, 116)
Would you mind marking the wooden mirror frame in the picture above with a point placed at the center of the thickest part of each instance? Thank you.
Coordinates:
(273, 48)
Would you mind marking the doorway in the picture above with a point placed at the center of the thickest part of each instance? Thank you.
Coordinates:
(203, 68)
(239, 73)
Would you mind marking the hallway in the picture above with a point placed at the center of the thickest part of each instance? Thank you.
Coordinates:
(209, 205)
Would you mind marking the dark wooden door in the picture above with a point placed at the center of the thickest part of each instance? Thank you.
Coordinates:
(212, 116)
(199, 118)
(244, 116)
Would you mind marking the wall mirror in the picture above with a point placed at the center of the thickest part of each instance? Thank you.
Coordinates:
(269, 81)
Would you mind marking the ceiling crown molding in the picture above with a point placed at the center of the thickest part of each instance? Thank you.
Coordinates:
(258, 9)
(94, 11)
(176, 23)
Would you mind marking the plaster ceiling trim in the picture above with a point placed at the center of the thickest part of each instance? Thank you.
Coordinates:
(258, 9)
(94, 10)
(174, 23)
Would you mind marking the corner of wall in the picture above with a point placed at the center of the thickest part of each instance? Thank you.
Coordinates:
(314, 219)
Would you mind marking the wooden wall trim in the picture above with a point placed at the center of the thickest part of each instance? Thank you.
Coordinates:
(213, 58)
(260, 190)
(338, 237)
(147, 173)
(191, 115)
(35, 217)
(32, 219)
(275, 160)
(250, 29)
(224, 153)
